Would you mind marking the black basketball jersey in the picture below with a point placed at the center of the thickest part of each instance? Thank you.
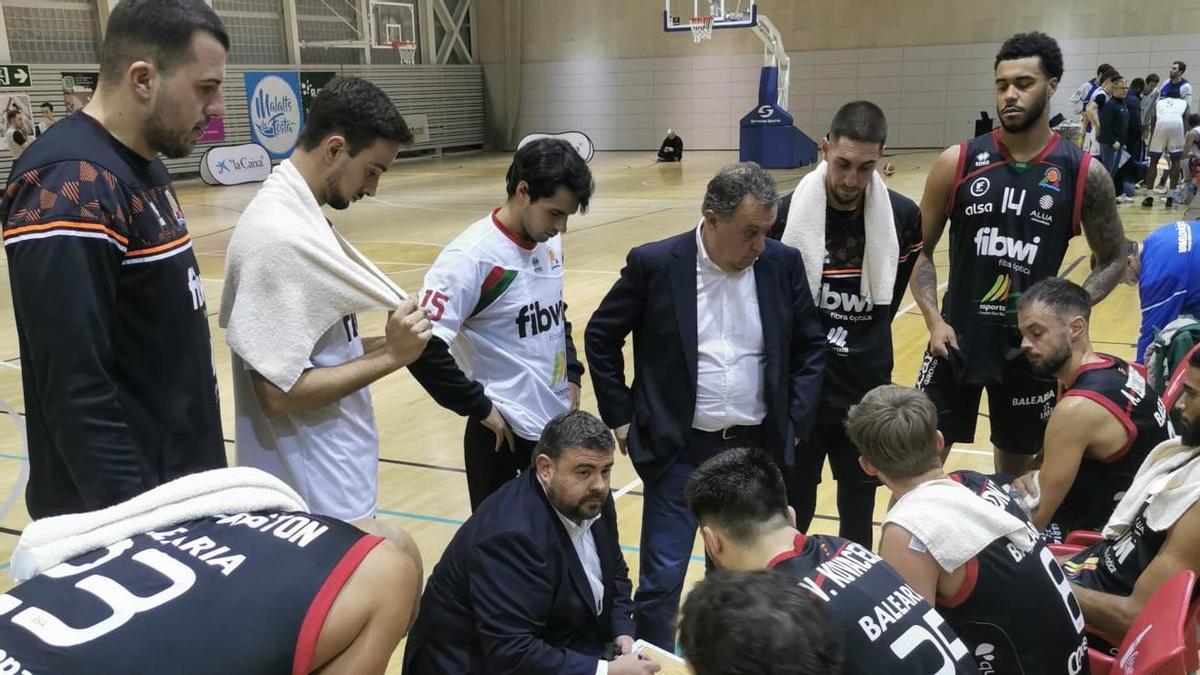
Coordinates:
(886, 626)
(1121, 388)
(1015, 610)
(245, 593)
(1010, 224)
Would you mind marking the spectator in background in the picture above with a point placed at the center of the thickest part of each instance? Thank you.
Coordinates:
(1084, 93)
(14, 132)
(1091, 112)
(1130, 171)
(1110, 136)
(671, 149)
(47, 119)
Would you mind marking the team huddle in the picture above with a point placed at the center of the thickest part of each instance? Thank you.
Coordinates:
(762, 345)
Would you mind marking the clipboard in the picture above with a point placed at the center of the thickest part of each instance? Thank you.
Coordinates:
(671, 664)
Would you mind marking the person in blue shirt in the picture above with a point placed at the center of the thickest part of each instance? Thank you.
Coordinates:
(1165, 266)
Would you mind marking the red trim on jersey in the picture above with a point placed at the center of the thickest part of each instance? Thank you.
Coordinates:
(1105, 361)
(512, 236)
(797, 546)
(1118, 412)
(1080, 181)
(959, 179)
(1045, 152)
(314, 619)
(967, 588)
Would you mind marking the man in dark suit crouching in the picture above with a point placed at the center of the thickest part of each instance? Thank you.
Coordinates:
(534, 581)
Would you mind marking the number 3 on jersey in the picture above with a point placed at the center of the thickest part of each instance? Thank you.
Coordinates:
(434, 302)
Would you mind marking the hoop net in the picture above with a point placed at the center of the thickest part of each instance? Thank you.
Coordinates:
(406, 50)
(702, 28)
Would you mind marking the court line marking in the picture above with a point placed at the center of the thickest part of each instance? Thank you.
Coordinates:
(625, 489)
(14, 366)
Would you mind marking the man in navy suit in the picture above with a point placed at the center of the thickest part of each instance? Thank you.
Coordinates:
(728, 352)
(534, 582)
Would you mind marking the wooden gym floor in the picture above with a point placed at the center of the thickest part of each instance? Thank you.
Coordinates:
(423, 204)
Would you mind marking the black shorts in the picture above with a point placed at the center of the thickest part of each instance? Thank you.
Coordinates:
(1019, 405)
(828, 439)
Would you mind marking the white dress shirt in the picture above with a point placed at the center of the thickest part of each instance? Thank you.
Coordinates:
(585, 548)
(729, 338)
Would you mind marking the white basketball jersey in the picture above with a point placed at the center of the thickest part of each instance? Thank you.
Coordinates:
(1171, 110)
(329, 455)
(497, 300)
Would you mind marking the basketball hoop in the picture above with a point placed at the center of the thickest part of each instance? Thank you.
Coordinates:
(702, 28)
(406, 50)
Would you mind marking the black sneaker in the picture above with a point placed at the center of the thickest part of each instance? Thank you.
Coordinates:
(1148, 202)
(1170, 202)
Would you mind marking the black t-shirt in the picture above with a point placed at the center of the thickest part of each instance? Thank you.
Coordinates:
(1122, 390)
(1015, 610)
(119, 381)
(1010, 224)
(886, 626)
(858, 355)
(244, 593)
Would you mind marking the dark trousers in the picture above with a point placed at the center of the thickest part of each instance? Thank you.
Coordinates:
(669, 532)
(668, 156)
(489, 468)
(855, 489)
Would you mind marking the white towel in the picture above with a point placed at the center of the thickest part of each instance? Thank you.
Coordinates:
(50, 541)
(955, 524)
(289, 276)
(805, 230)
(1170, 475)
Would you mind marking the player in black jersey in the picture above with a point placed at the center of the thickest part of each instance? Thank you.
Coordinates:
(1106, 422)
(756, 622)
(857, 325)
(263, 592)
(1014, 199)
(740, 502)
(968, 549)
(1153, 535)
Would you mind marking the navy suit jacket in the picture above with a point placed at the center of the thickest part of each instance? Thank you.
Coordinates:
(510, 595)
(655, 299)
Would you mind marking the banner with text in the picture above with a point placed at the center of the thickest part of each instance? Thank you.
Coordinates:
(276, 114)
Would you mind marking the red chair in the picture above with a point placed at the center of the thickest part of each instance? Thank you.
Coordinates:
(1083, 538)
(1156, 642)
(1060, 550)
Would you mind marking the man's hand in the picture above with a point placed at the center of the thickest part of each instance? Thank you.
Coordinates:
(575, 390)
(624, 644)
(622, 434)
(941, 338)
(632, 664)
(495, 422)
(408, 331)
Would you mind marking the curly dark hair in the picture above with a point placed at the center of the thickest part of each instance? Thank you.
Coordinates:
(757, 623)
(1024, 45)
(357, 109)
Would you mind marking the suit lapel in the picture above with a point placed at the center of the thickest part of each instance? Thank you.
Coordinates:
(574, 564)
(767, 290)
(683, 293)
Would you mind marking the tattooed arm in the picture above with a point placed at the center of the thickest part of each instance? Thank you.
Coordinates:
(924, 283)
(1105, 236)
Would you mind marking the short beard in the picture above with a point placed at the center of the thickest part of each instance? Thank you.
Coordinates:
(1189, 435)
(1032, 116)
(166, 141)
(1049, 366)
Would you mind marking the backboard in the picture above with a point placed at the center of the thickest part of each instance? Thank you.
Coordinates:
(392, 22)
(677, 14)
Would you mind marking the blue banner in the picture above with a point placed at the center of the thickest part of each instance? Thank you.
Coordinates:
(276, 115)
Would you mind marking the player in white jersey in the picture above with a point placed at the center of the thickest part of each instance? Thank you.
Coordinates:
(501, 352)
(1167, 138)
(318, 433)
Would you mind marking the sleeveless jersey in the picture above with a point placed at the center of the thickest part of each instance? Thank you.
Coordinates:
(1113, 566)
(1015, 610)
(886, 626)
(1010, 224)
(1121, 388)
(245, 593)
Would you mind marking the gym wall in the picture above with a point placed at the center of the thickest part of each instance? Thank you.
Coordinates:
(605, 67)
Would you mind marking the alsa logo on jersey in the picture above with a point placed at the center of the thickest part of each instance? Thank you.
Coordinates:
(989, 242)
(534, 319)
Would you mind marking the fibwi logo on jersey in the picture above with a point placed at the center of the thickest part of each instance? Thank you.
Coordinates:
(534, 319)
(1051, 179)
(989, 242)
